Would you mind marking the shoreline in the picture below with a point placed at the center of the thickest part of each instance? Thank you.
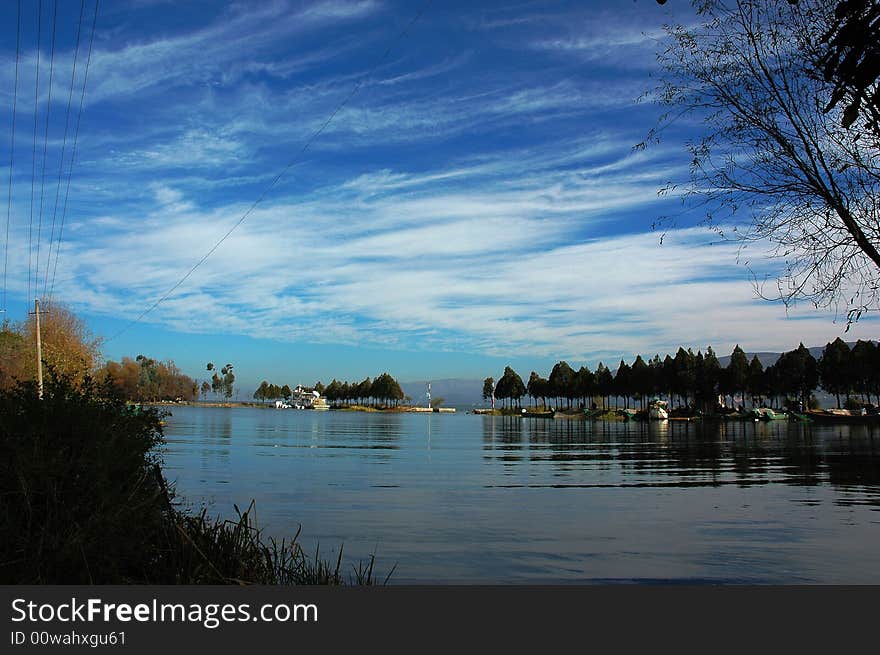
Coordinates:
(403, 409)
(609, 415)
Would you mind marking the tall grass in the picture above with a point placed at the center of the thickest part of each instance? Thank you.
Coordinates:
(83, 500)
(234, 551)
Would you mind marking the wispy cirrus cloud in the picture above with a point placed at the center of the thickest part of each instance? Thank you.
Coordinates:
(479, 193)
(335, 9)
(617, 40)
(491, 262)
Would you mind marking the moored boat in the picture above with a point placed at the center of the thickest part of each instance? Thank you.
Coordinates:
(304, 398)
(767, 414)
(538, 413)
(657, 410)
(842, 416)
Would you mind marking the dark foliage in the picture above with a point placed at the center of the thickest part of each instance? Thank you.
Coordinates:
(84, 501)
(384, 390)
(851, 60)
(697, 383)
(82, 492)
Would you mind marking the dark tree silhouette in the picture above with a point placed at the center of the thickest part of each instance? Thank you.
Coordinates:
(775, 147)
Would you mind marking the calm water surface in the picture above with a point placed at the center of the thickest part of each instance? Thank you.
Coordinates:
(479, 499)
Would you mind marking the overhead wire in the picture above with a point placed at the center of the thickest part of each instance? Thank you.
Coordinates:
(45, 148)
(73, 149)
(280, 175)
(82, 5)
(34, 153)
(11, 154)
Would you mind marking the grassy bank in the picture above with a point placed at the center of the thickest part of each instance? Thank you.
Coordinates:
(85, 501)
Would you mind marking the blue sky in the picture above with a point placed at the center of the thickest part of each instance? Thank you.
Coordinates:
(476, 202)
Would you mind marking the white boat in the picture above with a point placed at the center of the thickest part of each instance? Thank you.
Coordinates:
(309, 399)
(767, 414)
(657, 410)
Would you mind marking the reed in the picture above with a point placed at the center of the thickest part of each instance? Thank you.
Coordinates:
(220, 551)
(84, 501)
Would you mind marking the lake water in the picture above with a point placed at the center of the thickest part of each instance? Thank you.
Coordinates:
(461, 498)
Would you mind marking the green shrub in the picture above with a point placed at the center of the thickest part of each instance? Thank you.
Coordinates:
(83, 500)
(853, 404)
(82, 493)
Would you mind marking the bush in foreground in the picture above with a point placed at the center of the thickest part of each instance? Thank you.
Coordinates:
(83, 501)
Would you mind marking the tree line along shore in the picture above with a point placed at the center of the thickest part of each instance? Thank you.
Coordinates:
(383, 391)
(688, 381)
(697, 383)
(70, 350)
(85, 499)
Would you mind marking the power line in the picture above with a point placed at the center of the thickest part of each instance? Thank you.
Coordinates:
(45, 147)
(11, 152)
(82, 5)
(283, 172)
(73, 149)
(34, 154)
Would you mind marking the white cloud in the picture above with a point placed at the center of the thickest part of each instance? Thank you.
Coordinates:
(466, 199)
(465, 258)
(167, 198)
(341, 10)
(233, 42)
(600, 44)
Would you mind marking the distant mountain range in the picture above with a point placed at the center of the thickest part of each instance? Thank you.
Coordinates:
(454, 391)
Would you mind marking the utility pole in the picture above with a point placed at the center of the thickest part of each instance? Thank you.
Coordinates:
(39, 350)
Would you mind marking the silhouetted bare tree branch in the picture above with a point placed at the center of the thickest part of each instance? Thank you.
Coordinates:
(775, 149)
